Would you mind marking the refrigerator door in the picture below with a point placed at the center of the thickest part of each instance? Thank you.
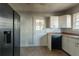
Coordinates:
(6, 30)
(16, 34)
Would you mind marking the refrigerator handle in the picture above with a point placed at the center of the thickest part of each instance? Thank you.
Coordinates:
(7, 37)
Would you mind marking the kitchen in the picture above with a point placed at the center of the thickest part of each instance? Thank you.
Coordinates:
(60, 24)
(47, 29)
(38, 26)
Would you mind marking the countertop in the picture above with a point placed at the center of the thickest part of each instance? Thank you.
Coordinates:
(67, 33)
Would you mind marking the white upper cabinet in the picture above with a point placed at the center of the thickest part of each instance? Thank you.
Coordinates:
(65, 21)
(54, 22)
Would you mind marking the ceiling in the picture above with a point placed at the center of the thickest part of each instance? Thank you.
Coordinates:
(41, 7)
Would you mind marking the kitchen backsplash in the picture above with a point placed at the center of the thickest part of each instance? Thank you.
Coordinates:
(54, 30)
(70, 30)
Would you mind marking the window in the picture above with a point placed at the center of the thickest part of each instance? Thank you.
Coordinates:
(40, 24)
(68, 21)
(54, 22)
(76, 21)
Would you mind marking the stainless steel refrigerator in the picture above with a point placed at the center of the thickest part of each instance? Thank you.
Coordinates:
(9, 31)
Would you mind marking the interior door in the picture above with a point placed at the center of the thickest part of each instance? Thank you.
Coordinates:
(39, 31)
(6, 30)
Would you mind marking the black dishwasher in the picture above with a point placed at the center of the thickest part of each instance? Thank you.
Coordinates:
(56, 42)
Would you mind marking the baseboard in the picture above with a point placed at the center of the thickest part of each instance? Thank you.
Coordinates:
(66, 52)
(32, 46)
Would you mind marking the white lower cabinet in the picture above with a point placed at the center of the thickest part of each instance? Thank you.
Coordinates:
(77, 47)
(65, 43)
(70, 44)
(49, 42)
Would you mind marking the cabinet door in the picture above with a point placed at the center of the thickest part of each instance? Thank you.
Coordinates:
(49, 42)
(77, 47)
(62, 21)
(65, 43)
(71, 46)
(65, 21)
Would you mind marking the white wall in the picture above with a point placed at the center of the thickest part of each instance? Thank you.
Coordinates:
(26, 30)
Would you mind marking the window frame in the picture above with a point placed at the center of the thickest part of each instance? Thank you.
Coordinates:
(41, 24)
(75, 16)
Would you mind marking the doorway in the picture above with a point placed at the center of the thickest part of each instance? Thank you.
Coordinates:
(39, 30)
